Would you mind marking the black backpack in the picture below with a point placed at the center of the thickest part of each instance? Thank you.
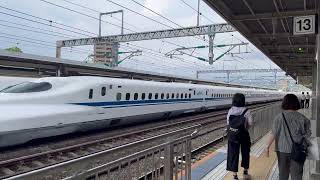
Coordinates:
(236, 128)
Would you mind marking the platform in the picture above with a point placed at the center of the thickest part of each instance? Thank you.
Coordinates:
(213, 166)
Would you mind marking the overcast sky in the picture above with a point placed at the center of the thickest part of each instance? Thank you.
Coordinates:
(35, 26)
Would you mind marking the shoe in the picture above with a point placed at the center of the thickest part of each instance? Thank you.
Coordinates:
(246, 175)
(235, 177)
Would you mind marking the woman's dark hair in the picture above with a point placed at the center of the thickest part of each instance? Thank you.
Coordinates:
(290, 102)
(238, 100)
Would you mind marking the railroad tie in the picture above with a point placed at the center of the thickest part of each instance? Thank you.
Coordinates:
(38, 163)
(7, 171)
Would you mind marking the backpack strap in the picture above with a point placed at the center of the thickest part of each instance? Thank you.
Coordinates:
(244, 112)
(284, 118)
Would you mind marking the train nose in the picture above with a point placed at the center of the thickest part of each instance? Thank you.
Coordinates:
(5, 99)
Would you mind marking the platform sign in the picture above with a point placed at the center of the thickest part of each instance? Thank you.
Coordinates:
(304, 25)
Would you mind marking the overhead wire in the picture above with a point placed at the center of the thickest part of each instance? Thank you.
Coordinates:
(162, 16)
(184, 2)
(76, 4)
(46, 20)
(48, 42)
(72, 10)
(159, 55)
(163, 55)
(42, 23)
(133, 11)
(211, 21)
(95, 10)
(30, 41)
(63, 29)
(41, 30)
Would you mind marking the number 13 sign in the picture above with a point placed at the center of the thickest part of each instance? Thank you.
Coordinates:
(304, 25)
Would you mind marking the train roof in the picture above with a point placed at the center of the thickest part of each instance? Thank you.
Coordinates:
(119, 81)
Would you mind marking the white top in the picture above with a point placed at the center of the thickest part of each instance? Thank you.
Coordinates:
(238, 111)
(307, 96)
(303, 97)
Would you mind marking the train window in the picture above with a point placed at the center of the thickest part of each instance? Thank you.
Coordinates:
(143, 96)
(150, 96)
(119, 86)
(189, 95)
(168, 95)
(103, 91)
(118, 96)
(135, 96)
(185, 95)
(181, 95)
(28, 87)
(162, 96)
(206, 92)
(156, 96)
(110, 86)
(128, 96)
(172, 95)
(177, 95)
(194, 92)
(90, 93)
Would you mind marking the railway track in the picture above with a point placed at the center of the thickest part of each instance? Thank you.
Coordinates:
(31, 162)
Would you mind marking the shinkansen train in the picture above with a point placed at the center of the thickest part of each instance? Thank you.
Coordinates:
(59, 105)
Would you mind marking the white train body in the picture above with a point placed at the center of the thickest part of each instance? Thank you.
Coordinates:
(59, 105)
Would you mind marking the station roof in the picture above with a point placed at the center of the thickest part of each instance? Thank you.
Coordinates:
(268, 24)
(29, 65)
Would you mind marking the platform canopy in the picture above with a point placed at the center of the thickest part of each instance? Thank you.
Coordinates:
(268, 24)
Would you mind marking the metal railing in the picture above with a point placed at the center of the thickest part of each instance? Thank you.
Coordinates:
(262, 121)
(166, 161)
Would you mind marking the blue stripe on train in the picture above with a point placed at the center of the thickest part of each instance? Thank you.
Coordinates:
(112, 104)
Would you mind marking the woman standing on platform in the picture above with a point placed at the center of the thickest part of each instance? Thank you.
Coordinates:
(289, 121)
(239, 119)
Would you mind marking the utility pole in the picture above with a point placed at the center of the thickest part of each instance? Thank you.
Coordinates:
(198, 14)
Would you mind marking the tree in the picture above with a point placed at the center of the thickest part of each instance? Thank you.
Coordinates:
(14, 49)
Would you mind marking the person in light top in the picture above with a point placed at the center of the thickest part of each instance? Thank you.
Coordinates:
(303, 98)
(307, 100)
(239, 119)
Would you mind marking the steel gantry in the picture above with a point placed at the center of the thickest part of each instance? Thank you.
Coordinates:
(209, 30)
(181, 51)
(228, 72)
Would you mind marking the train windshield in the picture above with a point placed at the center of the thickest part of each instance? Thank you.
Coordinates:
(27, 87)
